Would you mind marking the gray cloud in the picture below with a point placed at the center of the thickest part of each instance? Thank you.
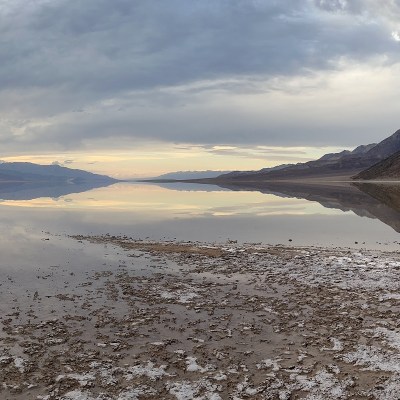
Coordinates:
(260, 154)
(103, 47)
(72, 72)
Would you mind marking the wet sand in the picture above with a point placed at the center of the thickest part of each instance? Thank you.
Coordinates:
(177, 320)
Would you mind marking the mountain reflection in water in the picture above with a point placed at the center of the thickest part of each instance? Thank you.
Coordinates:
(273, 212)
(373, 200)
(36, 190)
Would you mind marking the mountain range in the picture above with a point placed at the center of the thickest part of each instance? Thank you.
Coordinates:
(387, 169)
(234, 174)
(182, 175)
(29, 172)
(384, 157)
(375, 161)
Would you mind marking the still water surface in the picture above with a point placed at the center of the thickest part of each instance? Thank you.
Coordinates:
(273, 214)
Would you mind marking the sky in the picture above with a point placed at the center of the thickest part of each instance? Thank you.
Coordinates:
(137, 88)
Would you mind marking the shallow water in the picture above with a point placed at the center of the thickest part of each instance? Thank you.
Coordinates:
(72, 310)
(274, 214)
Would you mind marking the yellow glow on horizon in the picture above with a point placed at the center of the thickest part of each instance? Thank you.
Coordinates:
(150, 161)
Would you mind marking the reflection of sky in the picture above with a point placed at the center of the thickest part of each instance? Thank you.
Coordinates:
(150, 202)
(147, 211)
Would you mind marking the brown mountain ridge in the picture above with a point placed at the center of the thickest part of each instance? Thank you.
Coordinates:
(344, 165)
(387, 169)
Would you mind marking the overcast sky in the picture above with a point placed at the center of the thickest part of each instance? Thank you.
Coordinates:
(216, 78)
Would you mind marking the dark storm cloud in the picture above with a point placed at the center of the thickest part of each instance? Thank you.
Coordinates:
(63, 58)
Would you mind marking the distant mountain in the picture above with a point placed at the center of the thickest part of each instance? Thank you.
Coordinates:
(385, 148)
(187, 175)
(387, 169)
(335, 156)
(29, 172)
(249, 173)
(357, 151)
(340, 165)
(363, 149)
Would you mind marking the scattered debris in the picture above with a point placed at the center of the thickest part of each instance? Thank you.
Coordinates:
(201, 321)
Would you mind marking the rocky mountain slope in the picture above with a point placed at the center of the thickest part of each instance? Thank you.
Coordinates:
(234, 174)
(387, 169)
(343, 164)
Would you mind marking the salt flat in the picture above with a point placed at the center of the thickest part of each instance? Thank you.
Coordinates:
(190, 320)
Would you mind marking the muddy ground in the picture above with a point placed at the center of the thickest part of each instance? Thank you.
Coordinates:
(203, 321)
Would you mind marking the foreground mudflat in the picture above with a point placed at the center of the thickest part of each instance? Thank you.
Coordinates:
(195, 321)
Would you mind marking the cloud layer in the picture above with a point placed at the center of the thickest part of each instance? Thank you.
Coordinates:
(100, 72)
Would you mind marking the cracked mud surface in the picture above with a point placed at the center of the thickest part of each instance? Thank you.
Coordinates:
(195, 321)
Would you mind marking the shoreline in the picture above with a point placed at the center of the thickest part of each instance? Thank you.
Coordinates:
(183, 320)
